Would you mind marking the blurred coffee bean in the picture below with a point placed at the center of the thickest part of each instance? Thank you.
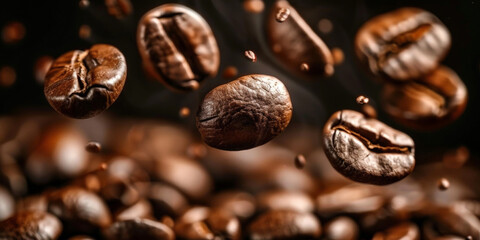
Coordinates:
(404, 231)
(174, 169)
(250, 55)
(59, 153)
(166, 200)
(457, 219)
(229, 72)
(304, 67)
(241, 204)
(352, 198)
(138, 228)
(8, 76)
(141, 209)
(253, 6)
(284, 224)
(294, 42)
(184, 112)
(341, 228)
(119, 8)
(177, 46)
(203, 223)
(30, 225)
(13, 32)
(7, 206)
(82, 84)
(33, 203)
(84, 32)
(362, 100)
(430, 102)
(282, 14)
(443, 184)
(93, 147)
(41, 67)
(367, 150)
(244, 113)
(338, 56)
(300, 161)
(403, 44)
(82, 211)
(285, 200)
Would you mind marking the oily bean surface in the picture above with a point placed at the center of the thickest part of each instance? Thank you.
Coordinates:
(82, 84)
(366, 150)
(244, 113)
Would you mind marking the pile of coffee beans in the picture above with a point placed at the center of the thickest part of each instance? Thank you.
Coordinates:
(245, 166)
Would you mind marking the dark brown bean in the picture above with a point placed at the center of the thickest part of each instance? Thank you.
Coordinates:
(294, 42)
(404, 231)
(341, 228)
(430, 102)
(300, 161)
(366, 150)
(167, 200)
(93, 147)
(284, 224)
(141, 209)
(82, 84)
(282, 14)
(138, 229)
(250, 55)
(443, 184)
(177, 46)
(403, 44)
(244, 113)
(30, 225)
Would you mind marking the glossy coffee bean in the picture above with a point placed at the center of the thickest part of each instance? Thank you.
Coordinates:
(295, 43)
(177, 46)
(366, 150)
(141, 209)
(82, 84)
(403, 44)
(426, 103)
(81, 210)
(285, 200)
(244, 113)
(138, 229)
(405, 231)
(284, 224)
(30, 225)
(341, 228)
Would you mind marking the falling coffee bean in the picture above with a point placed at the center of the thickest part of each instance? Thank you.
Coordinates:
(250, 55)
(403, 44)
(294, 42)
(82, 84)
(138, 229)
(366, 150)
(430, 102)
(282, 14)
(244, 113)
(284, 224)
(443, 184)
(362, 100)
(31, 225)
(93, 147)
(177, 46)
(304, 67)
(300, 161)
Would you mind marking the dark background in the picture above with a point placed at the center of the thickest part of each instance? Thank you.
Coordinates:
(52, 29)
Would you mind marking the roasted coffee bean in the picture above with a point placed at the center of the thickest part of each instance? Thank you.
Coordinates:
(284, 224)
(244, 113)
(443, 184)
(366, 150)
(304, 67)
(141, 209)
(250, 55)
(138, 229)
(403, 44)
(167, 200)
(430, 102)
(177, 46)
(84, 3)
(241, 204)
(80, 210)
(30, 225)
(204, 223)
(300, 161)
(362, 100)
(93, 147)
(119, 8)
(404, 231)
(285, 200)
(282, 14)
(341, 228)
(7, 204)
(294, 42)
(82, 84)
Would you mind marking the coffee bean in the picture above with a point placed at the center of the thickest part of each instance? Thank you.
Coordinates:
(284, 224)
(82, 84)
(253, 6)
(362, 100)
(250, 55)
(341, 228)
(282, 14)
(7, 206)
(403, 44)
(304, 67)
(177, 46)
(167, 200)
(366, 150)
(294, 42)
(406, 231)
(81, 210)
(93, 147)
(300, 161)
(13, 32)
(42, 65)
(443, 184)
(119, 8)
(430, 102)
(229, 72)
(138, 229)
(244, 113)
(30, 225)
(141, 209)
(285, 200)
(84, 32)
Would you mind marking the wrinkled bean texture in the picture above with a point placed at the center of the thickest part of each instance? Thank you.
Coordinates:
(244, 113)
